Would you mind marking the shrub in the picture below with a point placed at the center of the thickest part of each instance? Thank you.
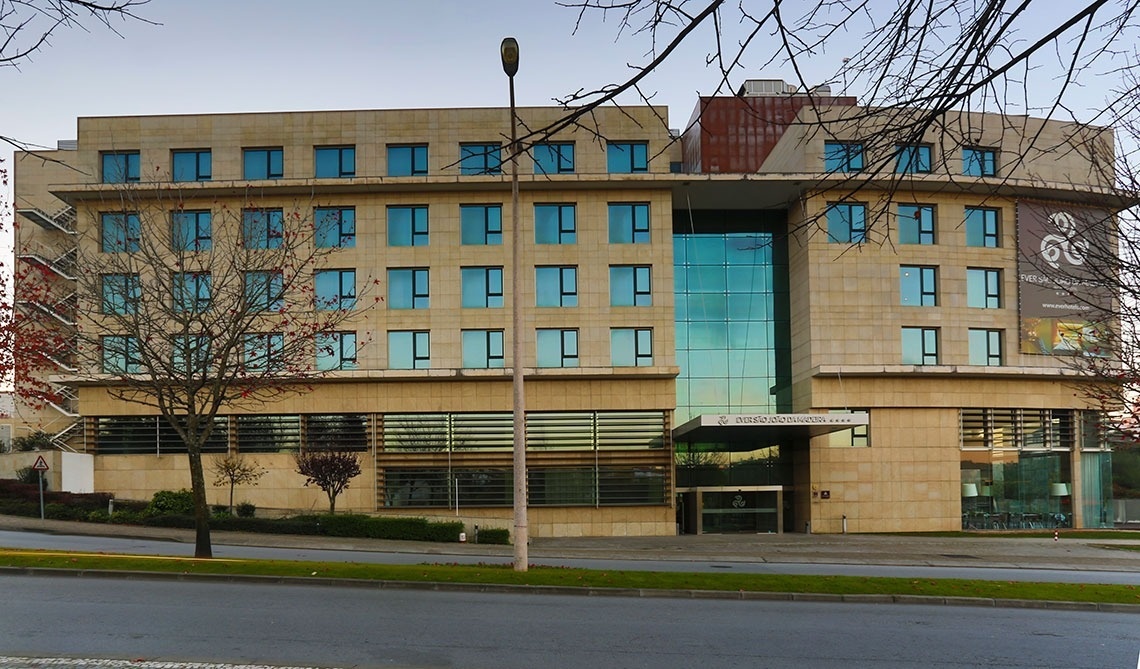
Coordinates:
(171, 502)
(246, 510)
(495, 535)
(29, 476)
(98, 517)
(35, 441)
(57, 511)
(125, 517)
(168, 520)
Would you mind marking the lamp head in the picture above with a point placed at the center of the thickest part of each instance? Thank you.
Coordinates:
(509, 52)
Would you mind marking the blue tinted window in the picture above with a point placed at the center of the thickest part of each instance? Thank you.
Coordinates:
(120, 232)
(918, 286)
(191, 231)
(263, 163)
(480, 159)
(335, 227)
(983, 288)
(120, 355)
(982, 227)
(191, 355)
(336, 350)
(916, 224)
(265, 290)
(121, 293)
(334, 289)
(120, 167)
(842, 156)
(627, 157)
(846, 223)
(482, 286)
(912, 158)
(332, 162)
(407, 160)
(920, 346)
(263, 352)
(481, 224)
(191, 165)
(262, 228)
(985, 347)
(555, 224)
(557, 348)
(631, 347)
(482, 349)
(409, 350)
(630, 286)
(408, 288)
(554, 158)
(979, 162)
(629, 223)
(408, 226)
(556, 286)
(191, 292)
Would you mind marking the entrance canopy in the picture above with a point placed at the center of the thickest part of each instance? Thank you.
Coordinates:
(771, 428)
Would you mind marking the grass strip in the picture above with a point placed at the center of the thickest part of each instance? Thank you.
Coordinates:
(490, 573)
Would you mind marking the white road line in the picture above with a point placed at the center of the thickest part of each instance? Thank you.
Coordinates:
(81, 663)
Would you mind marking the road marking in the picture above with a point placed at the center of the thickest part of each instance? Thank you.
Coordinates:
(8, 551)
(82, 663)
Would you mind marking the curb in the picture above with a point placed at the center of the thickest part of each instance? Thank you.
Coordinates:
(564, 590)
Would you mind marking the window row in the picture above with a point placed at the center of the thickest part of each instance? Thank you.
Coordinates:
(921, 346)
(335, 227)
(408, 288)
(846, 157)
(407, 349)
(403, 160)
(918, 286)
(916, 223)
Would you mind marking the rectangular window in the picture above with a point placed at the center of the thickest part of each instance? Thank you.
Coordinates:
(121, 293)
(846, 223)
(263, 163)
(334, 162)
(408, 226)
(629, 223)
(631, 286)
(191, 165)
(482, 286)
(983, 288)
(334, 289)
(264, 290)
(556, 286)
(191, 292)
(985, 347)
(120, 232)
(263, 352)
(336, 350)
(335, 227)
(842, 156)
(916, 224)
(262, 228)
(191, 231)
(918, 286)
(409, 350)
(858, 436)
(120, 355)
(554, 158)
(920, 346)
(978, 162)
(407, 160)
(482, 349)
(120, 167)
(627, 157)
(557, 348)
(555, 224)
(191, 355)
(913, 159)
(631, 347)
(481, 224)
(982, 227)
(408, 288)
(475, 159)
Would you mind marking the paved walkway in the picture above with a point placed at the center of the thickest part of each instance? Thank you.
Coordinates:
(1070, 552)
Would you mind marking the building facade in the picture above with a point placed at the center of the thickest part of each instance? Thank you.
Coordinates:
(747, 328)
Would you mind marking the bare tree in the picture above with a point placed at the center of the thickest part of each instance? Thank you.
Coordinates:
(328, 469)
(234, 470)
(26, 26)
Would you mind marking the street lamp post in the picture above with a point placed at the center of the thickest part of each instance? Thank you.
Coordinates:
(509, 52)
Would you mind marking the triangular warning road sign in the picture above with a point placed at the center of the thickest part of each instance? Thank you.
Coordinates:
(41, 464)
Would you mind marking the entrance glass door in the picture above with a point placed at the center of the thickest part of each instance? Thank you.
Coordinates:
(749, 511)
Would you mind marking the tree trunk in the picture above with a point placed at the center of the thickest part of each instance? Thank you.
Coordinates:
(332, 504)
(202, 547)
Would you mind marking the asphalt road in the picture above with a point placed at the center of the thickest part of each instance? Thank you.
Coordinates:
(189, 621)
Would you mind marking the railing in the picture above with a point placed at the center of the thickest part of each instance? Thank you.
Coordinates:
(63, 438)
(63, 264)
(61, 221)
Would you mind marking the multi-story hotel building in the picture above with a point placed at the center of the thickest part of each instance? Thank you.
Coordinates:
(770, 322)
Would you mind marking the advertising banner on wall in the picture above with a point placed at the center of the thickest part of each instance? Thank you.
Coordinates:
(1064, 297)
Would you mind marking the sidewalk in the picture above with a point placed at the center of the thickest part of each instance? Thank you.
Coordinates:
(1071, 552)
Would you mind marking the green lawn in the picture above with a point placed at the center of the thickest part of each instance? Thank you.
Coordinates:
(548, 576)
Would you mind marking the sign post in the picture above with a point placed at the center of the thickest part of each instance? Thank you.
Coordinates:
(41, 466)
